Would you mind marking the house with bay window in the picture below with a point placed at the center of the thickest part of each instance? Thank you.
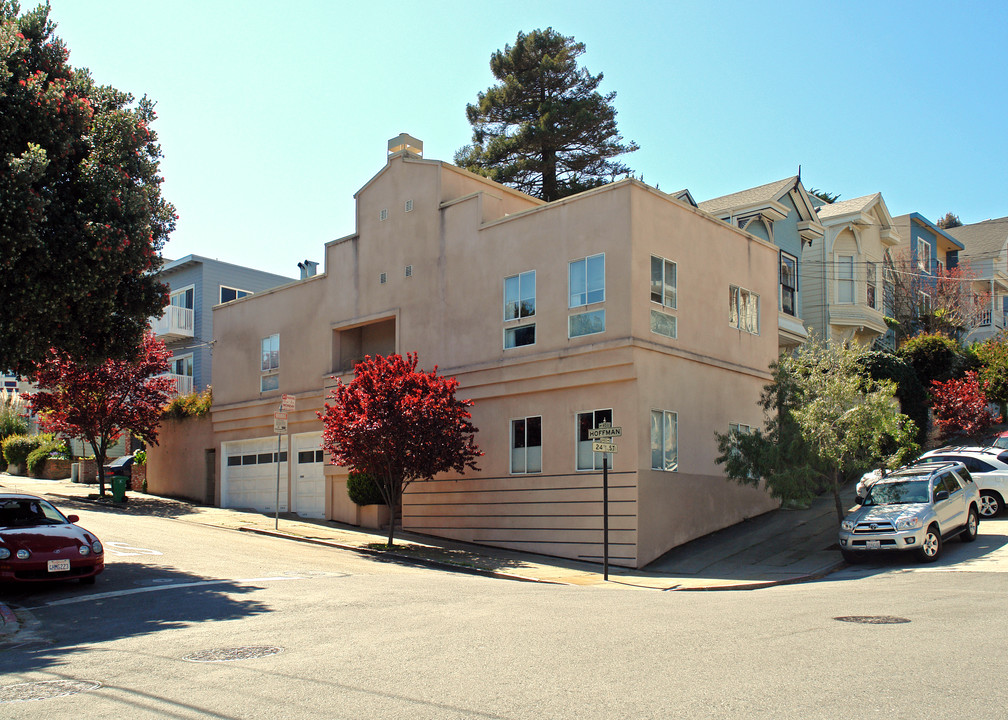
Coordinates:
(781, 213)
(622, 305)
(196, 284)
(985, 250)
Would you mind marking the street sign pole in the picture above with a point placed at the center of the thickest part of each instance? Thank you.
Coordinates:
(605, 516)
(280, 428)
(276, 522)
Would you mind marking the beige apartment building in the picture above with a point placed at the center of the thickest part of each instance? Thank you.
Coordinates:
(622, 304)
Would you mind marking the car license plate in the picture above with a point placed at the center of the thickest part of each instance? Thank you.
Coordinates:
(873, 544)
(59, 565)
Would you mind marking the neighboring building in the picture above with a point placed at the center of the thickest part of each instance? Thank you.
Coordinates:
(843, 275)
(197, 284)
(621, 304)
(925, 252)
(781, 213)
(985, 249)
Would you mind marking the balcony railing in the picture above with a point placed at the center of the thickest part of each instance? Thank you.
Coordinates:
(176, 323)
(183, 384)
(998, 318)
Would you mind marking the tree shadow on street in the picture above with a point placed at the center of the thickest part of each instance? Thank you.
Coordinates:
(58, 619)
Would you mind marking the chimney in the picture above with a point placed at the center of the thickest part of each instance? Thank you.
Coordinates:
(404, 144)
(307, 268)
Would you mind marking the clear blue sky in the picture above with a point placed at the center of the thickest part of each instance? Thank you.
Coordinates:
(271, 115)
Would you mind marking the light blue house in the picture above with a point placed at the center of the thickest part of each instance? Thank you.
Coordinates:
(780, 212)
(186, 327)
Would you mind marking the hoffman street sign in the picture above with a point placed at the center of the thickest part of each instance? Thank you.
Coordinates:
(604, 432)
(603, 447)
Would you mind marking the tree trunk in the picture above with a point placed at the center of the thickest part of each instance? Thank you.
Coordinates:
(100, 459)
(836, 496)
(391, 520)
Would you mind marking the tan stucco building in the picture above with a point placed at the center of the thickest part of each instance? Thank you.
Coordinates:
(620, 304)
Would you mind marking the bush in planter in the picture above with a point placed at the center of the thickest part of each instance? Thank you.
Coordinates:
(12, 421)
(36, 460)
(17, 448)
(362, 489)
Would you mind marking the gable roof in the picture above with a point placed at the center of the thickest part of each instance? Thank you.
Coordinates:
(902, 224)
(987, 237)
(843, 207)
(761, 194)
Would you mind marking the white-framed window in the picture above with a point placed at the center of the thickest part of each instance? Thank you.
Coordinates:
(270, 365)
(587, 280)
(664, 324)
(519, 336)
(586, 458)
(788, 284)
(182, 298)
(526, 445)
(227, 294)
(923, 255)
(663, 282)
(743, 309)
(383, 214)
(739, 428)
(182, 365)
(409, 206)
(845, 278)
(588, 323)
(664, 440)
(925, 302)
(871, 285)
(520, 296)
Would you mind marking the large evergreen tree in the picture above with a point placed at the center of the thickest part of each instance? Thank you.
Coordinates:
(82, 220)
(544, 128)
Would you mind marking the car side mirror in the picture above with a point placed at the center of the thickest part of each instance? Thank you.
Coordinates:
(941, 495)
(72, 518)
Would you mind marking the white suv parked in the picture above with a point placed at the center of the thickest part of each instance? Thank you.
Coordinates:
(989, 468)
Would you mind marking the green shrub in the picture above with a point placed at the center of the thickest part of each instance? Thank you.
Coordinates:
(17, 448)
(192, 405)
(362, 489)
(12, 420)
(36, 460)
(933, 357)
(140, 457)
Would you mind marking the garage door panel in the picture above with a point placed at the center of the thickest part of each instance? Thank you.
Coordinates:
(309, 480)
(249, 475)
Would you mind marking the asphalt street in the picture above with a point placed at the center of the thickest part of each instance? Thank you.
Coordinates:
(191, 621)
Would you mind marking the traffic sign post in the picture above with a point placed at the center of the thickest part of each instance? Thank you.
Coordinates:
(602, 437)
(280, 428)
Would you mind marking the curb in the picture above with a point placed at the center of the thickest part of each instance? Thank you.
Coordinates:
(10, 624)
(758, 585)
(385, 554)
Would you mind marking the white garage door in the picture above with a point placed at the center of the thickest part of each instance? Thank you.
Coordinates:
(309, 481)
(249, 474)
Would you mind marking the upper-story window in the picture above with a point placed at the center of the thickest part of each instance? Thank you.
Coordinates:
(923, 255)
(586, 286)
(663, 282)
(526, 445)
(871, 284)
(270, 379)
(788, 284)
(519, 304)
(588, 459)
(743, 309)
(227, 294)
(182, 298)
(845, 278)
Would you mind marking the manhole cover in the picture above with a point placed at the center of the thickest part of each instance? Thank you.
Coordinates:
(44, 690)
(229, 654)
(873, 619)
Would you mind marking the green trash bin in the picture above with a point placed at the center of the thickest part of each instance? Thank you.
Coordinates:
(119, 484)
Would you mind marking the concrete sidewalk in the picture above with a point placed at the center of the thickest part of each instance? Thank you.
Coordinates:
(783, 546)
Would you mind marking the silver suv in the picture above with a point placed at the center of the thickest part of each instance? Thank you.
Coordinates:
(914, 508)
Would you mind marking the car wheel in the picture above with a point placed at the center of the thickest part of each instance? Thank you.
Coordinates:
(969, 533)
(90, 580)
(852, 557)
(931, 545)
(990, 504)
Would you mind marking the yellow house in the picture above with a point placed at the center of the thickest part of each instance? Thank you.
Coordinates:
(621, 304)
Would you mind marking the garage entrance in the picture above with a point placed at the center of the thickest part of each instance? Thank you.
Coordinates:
(249, 474)
(309, 480)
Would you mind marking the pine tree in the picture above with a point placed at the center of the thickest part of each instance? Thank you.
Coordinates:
(544, 128)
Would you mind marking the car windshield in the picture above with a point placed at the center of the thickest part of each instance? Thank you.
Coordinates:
(898, 493)
(28, 513)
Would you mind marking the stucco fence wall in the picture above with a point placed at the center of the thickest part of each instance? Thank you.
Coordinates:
(182, 464)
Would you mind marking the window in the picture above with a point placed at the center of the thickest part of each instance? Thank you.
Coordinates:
(526, 445)
(519, 296)
(663, 324)
(383, 214)
(409, 271)
(664, 440)
(519, 336)
(309, 456)
(587, 281)
(383, 278)
(739, 428)
(227, 294)
(586, 458)
(871, 273)
(845, 278)
(925, 302)
(788, 284)
(182, 298)
(663, 282)
(181, 365)
(588, 323)
(743, 309)
(270, 363)
(409, 206)
(923, 255)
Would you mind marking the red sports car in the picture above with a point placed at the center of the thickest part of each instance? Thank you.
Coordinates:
(38, 543)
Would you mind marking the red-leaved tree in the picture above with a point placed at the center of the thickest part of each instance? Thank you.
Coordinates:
(398, 424)
(960, 406)
(99, 403)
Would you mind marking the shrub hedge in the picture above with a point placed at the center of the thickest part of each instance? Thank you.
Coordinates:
(362, 489)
